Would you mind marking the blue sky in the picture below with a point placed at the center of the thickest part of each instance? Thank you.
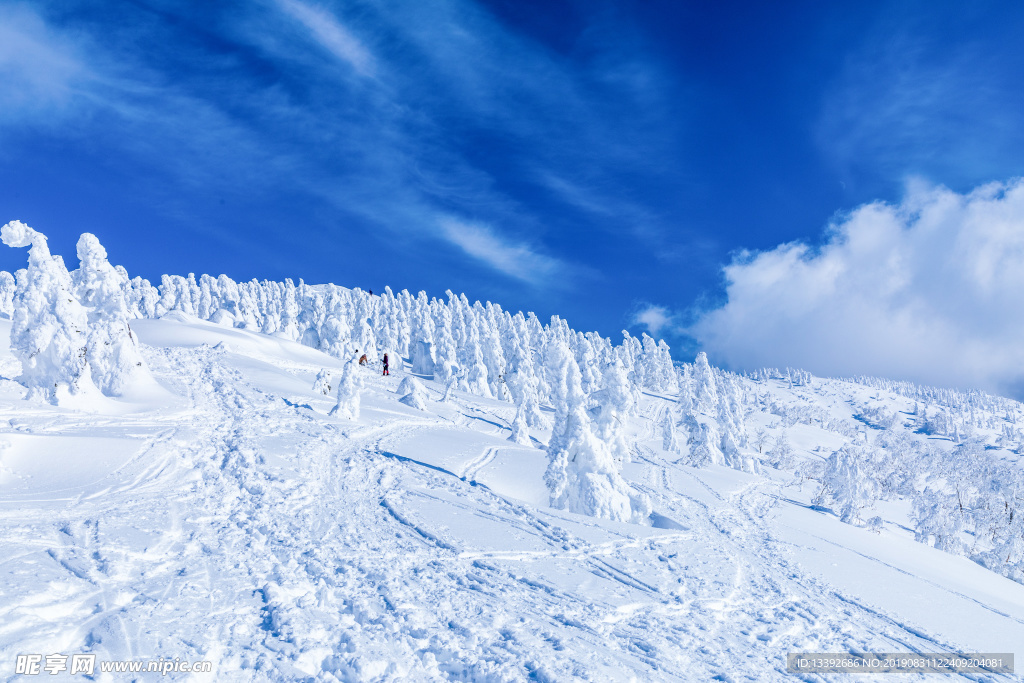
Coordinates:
(599, 160)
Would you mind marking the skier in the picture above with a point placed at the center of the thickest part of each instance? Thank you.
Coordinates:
(386, 364)
(363, 360)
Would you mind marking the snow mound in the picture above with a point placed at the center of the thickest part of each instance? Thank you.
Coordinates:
(414, 393)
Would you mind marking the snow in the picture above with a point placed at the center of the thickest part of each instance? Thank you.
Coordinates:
(28, 460)
(204, 471)
(236, 521)
(885, 572)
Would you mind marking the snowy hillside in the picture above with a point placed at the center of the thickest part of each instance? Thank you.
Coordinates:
(202, 471)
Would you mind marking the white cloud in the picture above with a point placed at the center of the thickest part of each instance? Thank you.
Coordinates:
(41, 70)
(654, 318)
(331, 34)
(928, 290)
(516, 260)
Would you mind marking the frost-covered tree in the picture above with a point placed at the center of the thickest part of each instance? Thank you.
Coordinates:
(492, 357)
(8, 288)
(780, 456)
(703, 440)
(847, 482)
(733, 433)
(760, 439)
(669, 435)
(520, 429)
(658, 376)
(142, 298)
(898, 463)
(581, 474)
(616, 402)
(422, 358)
(686, 398)
(734, 457)
(476, 370)
(449, 387)
(112, 352)
(322, 383)
(368, 341)
(939, 519)
(705, 391)
(446, 363)
(49, 324)
(523, 384)
(952, 498)
(1000, 521)
(586, 359)
(349, 392)
(421, 334)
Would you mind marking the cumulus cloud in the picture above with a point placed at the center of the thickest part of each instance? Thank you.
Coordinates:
(929, 290)
(483, 244)
(654, 318)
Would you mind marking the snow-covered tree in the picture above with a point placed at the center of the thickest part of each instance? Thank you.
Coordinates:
(760, 439)
(780, 456)
(705, 391)
(669, 434)
(349, 392)
(581, 474)
(449, 387)
(112, 352)
(616, 402)
(422, 358)
(322, 383)
(848, 483)
(939, 519)
(520, 429)
(703, 440)
(8, 288)
(49, 324)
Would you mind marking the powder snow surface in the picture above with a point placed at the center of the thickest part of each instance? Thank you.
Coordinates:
(226, 517)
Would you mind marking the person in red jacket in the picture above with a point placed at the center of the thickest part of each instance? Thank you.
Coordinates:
(386, 364)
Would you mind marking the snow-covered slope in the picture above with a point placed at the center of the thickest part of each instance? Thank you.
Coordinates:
(224, 516)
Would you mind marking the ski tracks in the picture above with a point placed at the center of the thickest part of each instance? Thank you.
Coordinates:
(284, 547)
(474, 467)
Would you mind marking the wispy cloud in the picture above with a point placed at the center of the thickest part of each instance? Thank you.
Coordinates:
(903, 105)
(40, 73)
(331, 34)
(575, 194)
(513, 259)
(621, 216)
(395, 141)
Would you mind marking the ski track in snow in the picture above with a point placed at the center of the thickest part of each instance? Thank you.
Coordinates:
(474, 467)
(252, 531)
